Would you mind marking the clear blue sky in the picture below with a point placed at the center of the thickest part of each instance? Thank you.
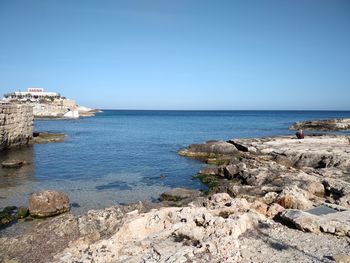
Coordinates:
(180, 54)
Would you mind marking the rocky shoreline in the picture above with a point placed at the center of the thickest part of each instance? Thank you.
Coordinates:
(276, 199)
(323, 125)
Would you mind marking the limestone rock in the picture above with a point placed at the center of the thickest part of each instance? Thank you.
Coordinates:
(294, 198)
(341, 258)
(48, 203)
(274, 210)
(16, 125)
(170, 235)
(336, 223)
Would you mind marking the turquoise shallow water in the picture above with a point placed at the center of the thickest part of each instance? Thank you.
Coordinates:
(120, 156)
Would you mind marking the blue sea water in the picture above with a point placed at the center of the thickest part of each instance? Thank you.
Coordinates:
(122, 156)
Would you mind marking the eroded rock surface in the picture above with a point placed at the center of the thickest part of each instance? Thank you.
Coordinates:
(207, 230)
(296, 174)
(48, 203)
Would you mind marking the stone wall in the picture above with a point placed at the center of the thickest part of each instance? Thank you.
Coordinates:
(16, 125)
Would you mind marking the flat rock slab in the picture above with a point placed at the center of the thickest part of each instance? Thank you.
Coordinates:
(276, 243)
(209, 149)
(336, 223)
(178, 194)
(319, 151)
(12, 163)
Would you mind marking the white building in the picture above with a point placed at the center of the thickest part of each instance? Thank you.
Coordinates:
(32, 95)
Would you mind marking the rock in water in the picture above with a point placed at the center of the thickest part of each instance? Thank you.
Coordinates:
(323, 125)
(177, 194)
(48, 203)
(209, 149)
(12, 163)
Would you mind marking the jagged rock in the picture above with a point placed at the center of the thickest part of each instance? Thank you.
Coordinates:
(336, 187)
(274, 210)
(52, 235)
(344, 201)
(260, 207)
(48, 203)
(209, 149)
(270, 197)
(322, 125)
(294, 198)
(208, 231)
(170, 235)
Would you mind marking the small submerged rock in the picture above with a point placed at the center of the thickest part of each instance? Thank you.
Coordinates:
(47, 137)
(48, 203)
(11, 214)
(210, 149)
(178, 194)
(13, 163)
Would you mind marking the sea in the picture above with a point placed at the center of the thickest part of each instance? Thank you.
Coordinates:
(125, 156)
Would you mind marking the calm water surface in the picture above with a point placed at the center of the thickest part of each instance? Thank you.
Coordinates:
(125, 156)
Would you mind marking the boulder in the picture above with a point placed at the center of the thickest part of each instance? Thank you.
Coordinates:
(48, 203)
(294, 198)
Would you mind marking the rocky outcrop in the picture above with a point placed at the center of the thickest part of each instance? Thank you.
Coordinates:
(280, 173)
(207, 230)
(322, 125)
(48, 203)
(16, 125)
(170, 235)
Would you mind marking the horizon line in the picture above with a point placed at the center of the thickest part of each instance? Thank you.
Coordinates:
(210, 110)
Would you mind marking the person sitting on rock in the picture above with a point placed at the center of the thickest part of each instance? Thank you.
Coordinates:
(300, 134)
